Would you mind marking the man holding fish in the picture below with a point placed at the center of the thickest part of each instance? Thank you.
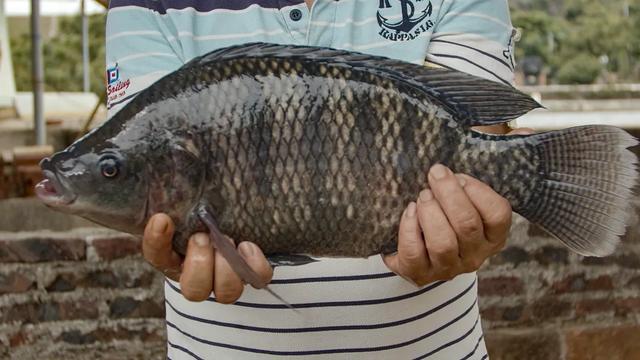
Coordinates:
(345, 307)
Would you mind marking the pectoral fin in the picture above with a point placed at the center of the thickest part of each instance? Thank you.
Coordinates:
(232, 255)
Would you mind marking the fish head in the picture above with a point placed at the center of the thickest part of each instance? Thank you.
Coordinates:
(107, 186)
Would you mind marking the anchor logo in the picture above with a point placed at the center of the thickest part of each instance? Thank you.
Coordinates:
(404, 29)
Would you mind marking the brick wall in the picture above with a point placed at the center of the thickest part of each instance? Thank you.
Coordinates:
(78, 294)
(540, 301)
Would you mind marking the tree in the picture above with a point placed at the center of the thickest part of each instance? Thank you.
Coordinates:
(603, 35)
(62, 57)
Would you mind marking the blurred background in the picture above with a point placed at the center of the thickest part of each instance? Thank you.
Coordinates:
(71, 289)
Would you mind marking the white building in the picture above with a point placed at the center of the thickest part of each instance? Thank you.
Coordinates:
(7, 84)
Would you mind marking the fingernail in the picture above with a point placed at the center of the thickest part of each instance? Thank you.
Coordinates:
(201, 240)
(461, 180)
(439, 171)
(411, 210)
(158, 227)
(426, 195)
(247, 249)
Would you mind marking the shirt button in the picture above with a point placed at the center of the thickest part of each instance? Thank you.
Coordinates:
(295, 14)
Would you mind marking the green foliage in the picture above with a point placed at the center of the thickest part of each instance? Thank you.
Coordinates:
(536, 28)
(580, 34)
(62, 57)
(582, 69)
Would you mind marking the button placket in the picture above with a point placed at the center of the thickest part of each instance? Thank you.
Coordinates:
(321, 11)
(296, 19)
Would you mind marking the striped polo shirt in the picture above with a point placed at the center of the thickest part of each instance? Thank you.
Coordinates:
(346, 308)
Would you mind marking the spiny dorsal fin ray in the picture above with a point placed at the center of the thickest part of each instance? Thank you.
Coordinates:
(472, 100)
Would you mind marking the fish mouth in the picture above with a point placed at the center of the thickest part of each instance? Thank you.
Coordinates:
(52, 192)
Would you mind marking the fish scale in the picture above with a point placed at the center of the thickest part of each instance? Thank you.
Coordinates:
(318, 151)
(276, 228)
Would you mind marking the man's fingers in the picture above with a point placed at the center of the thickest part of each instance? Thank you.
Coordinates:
(458, 208)
(440, 238)
(494, 210)
(227, 286)
(156, 246)
(411, 261)
(196, 281)
(256, 260)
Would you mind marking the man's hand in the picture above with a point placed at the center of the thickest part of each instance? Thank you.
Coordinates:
(451, 229)
(203, 269)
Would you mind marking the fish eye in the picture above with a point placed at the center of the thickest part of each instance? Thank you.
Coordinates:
(109, 167)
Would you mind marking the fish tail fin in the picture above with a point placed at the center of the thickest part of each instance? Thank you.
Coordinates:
(586, 177)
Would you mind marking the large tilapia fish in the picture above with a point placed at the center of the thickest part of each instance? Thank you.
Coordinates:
(317, 151)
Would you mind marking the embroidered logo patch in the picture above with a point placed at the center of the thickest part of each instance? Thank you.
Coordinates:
(405, 19)
(116, 88)
(113, 74)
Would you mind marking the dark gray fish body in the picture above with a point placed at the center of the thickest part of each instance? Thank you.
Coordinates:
(318, 151)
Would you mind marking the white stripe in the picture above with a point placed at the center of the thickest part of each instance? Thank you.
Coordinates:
(133, 33)
(128, 8)
(464, 66)
(226, 36)
(223, 11)
(474, 40)
(147, 54)
(487, 46)
(374, 45)
(477, 42)
(482, 16)
(350, 21)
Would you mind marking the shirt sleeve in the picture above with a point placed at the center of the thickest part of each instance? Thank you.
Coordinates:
(474, 36)
(140, 49)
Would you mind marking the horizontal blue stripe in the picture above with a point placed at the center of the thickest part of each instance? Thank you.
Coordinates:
(342, 350)
(329, 303)
(333, 278)
(227, 23)
(202, 5)
(217, 24)
(327, 328)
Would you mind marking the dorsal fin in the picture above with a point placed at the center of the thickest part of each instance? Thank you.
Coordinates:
(472, 100)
